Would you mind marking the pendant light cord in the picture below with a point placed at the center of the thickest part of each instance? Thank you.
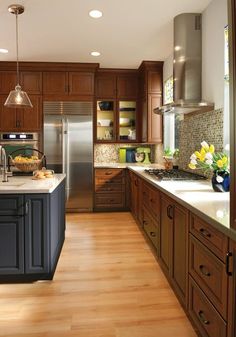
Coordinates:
(17, 48)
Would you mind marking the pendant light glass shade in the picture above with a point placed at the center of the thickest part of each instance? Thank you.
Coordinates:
(17, 98)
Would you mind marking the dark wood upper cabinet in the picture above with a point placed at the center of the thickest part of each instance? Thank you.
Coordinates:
(81, 83)
(127, 87)
(150, 97)
(155, 127)
(68, 83)
(55, 83)
(106, 86)
(7, 81)
(19, 119)
(31, 82)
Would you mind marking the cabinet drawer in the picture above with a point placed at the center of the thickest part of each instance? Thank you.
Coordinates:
(109, 181)
(109, 187)
(212, 238)
(11, 204)
(209, 273)
(204, 315)
(109, 173)
(109, 200)
(150, 228)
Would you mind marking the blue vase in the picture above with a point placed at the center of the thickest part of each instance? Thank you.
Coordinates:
(220, 181)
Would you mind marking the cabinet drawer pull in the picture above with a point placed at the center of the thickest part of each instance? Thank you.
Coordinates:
(145, 222)
(27, 208)
(153, 234)
(111, 200)
(170, 210)
(203, 318)
(204, 232)
(151, 200)
(136, 183)
(204, 271)
(228, 255)
(108, 173)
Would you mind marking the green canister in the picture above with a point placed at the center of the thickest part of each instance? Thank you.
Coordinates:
(122, 155)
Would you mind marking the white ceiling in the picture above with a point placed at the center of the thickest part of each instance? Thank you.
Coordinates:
(61, 30)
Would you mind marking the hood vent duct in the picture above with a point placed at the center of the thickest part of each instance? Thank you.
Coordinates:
(187, 67)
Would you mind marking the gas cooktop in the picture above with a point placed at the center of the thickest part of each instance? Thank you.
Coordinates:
(174, 174)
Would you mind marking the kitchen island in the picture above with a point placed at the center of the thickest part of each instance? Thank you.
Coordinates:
(32, 227)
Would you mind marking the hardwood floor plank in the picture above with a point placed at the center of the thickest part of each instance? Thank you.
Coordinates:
(107, 284)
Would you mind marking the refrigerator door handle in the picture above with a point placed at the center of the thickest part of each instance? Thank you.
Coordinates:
(63, 146)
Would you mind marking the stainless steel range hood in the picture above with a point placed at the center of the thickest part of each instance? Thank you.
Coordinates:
(187, 67)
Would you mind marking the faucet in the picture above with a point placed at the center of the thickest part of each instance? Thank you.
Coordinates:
(3, 157)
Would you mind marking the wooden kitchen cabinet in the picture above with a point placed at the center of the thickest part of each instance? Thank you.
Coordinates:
(109, 189)
(117, 120)
(30, 81)
(231, 271)
(150, 97)
(209, 279)
(174, 245)
(62, 83)
(21, 119)
(136, 200)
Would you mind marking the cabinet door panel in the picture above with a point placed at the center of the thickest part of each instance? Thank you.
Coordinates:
(36, 234)
(8, 117)
(154, 82)
(232, 291)
(31, 82)
(180, 253)
(154, 120)
(31, 118)
(106, 86)
(165, 235)
(81, 83)
(12, 245)
(7, 81)
(127, 86)
(55, 82)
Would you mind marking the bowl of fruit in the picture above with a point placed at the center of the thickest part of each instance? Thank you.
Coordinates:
(27, 163)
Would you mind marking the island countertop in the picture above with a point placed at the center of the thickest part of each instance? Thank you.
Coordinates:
(25, 184)
(198, 196)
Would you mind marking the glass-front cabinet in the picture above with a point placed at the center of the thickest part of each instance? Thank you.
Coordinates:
(116, 121)
(127, 121)
(106, 116)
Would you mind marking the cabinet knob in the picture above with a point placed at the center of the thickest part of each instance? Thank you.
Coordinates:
(204, 270)
(204, 232)
(153, 234)
(202, 318)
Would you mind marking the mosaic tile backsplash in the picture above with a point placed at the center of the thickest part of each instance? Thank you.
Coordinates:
(109, 153)
(195, 129)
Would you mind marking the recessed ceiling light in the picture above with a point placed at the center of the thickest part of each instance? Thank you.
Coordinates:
(3, 51)
(95, 53)
(95, 14)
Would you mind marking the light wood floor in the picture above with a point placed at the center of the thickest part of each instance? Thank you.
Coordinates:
(107, 284)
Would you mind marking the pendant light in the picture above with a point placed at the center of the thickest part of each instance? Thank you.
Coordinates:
(17, 98)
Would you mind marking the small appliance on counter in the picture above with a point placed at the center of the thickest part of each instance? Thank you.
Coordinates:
(142, 155)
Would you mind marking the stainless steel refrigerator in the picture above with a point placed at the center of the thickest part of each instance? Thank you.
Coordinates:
(68, 146)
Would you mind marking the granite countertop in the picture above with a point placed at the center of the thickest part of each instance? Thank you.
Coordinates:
(25, 184)
(198, 197)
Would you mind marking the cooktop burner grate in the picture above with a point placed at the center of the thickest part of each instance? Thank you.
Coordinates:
(174, 174)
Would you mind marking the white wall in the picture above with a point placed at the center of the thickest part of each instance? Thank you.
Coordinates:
(214, 19)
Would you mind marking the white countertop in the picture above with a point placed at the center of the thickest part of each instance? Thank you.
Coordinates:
(198, 196)
(126, 165)
(25, 184)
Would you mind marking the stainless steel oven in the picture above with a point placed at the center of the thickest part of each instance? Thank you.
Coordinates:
(13, 141)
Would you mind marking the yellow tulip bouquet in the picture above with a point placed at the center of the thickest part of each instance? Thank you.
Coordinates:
(208, 159)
